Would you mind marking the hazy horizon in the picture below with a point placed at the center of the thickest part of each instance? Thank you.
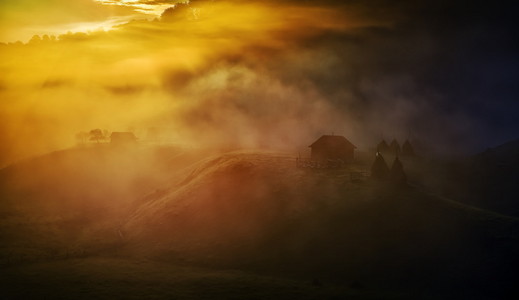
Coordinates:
(274, 74)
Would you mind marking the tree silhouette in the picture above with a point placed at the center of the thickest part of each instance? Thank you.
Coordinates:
(397, 174)
(394, 147)
(35, 39)
(382, 146)
(97, 135)
(379, 169)
(407, 149)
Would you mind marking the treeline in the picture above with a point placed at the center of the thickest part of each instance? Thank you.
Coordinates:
(93, 136)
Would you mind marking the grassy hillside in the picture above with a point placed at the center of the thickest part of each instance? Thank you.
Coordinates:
(251, 211)
(71, 202)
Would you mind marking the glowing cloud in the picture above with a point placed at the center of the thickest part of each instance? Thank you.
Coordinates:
(242, 73)
(150, 7)
(21, 19)
(188, 76)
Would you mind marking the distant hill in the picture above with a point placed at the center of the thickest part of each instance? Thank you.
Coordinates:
(493, 178)
(487, 180)
(506, 154)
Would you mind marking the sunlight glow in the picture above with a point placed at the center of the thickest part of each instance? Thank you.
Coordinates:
(176, 72)
(106, 25)
(143, 6)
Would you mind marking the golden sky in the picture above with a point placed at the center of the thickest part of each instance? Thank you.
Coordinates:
(273, 73)
(198, 65)
(21, 19)
(147, 7)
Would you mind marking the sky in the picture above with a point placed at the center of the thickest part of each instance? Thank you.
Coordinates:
(273, 73)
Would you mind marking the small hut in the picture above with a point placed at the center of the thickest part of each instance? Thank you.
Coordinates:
(379, 169)
(332, 147)
(123, 138)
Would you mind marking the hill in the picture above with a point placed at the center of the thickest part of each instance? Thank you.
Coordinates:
(69, 203)
(487, 179)
(257, 211)
(254, 211)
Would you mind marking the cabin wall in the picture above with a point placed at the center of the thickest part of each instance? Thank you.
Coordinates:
(324, 153)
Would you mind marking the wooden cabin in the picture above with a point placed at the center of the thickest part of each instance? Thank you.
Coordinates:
(332, 147)
(123, 138)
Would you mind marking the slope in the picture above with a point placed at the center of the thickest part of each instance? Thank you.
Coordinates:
(259, 212)
(70, 202)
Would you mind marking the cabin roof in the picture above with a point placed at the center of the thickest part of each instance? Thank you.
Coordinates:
(122, 135)
(332, 140)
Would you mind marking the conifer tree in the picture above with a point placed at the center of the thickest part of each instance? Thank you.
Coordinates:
(379, 169)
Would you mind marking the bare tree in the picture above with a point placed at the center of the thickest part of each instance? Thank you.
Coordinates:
(97, 135)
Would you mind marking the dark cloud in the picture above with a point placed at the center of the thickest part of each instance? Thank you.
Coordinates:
(392, 81)
(459, 60)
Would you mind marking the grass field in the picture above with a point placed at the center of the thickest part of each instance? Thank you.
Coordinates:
(177, 224)
(116, 278)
